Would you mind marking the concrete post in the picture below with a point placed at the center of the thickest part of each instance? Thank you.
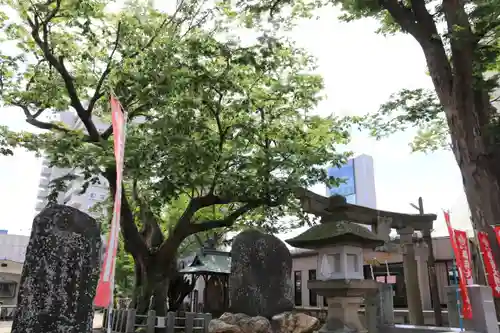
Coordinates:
(379, 309)
(453, 302)
(484, 318)
(421, 256)
(411, 277)
(431, 269)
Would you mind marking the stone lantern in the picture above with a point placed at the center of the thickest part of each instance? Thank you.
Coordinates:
(340, 279)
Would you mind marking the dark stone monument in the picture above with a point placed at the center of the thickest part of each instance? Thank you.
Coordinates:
(260, 281)
(60, 273)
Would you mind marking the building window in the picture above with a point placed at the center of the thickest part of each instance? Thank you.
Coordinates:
(313, 298)
(297, 276)
(7, 289)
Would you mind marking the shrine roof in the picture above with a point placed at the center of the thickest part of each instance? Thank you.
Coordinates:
(337, 232)
(339, 209)
(209, 262)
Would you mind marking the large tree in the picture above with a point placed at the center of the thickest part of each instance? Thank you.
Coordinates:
(229, 126)
(460, 42)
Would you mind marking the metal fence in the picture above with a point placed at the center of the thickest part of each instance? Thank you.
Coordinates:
(128, 321)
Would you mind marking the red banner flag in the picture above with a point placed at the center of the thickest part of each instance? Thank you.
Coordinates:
(465, 255)
(104, 292)
(489, 262)
(464, 294)
(497, 233)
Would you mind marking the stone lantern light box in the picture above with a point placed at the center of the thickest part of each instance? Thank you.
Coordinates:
(340, 247)
(340, 262)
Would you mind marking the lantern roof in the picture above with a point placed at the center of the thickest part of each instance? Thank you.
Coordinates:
(209, 262)
(336, 233)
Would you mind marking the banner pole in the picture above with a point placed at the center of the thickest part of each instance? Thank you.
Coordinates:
(459, 301)
(451, 232)
(480, 254)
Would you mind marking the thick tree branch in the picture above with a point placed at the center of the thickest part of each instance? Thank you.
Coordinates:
(228, 221)
(150, 231)
(58, 63)
(420, 24)
(462, 40)
(186, 226)
(403, 16)
(134, 244)
(31, 119)
(97, 93)
(424, 18)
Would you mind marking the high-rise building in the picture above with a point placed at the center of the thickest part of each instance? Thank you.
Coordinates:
(359, 181)
(73, 195)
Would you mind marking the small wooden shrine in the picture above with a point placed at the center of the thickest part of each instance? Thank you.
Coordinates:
(214, 267)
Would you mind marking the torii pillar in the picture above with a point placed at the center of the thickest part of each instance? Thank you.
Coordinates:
(411, 277)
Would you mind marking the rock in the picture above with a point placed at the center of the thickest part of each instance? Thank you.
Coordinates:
(246, 323)
(260, 281)
(232, 318)
(256, 324)
(60, 273)
(289, 322)
(219, 326)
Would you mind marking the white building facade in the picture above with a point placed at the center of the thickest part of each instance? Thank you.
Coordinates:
(73, 196)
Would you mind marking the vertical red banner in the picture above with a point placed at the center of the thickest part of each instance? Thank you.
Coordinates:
(489, 263)
(462, 283)
(497, 233)
(465, 255)
(104, 292)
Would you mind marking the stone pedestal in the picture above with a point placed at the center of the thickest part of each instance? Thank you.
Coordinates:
(343, 315)
(453, 303)
(484, 317)
(344, 299)
(379, 309)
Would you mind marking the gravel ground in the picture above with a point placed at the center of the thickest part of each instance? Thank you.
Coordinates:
(5, 325)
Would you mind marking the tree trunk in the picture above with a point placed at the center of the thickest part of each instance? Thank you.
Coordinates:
(481, 183)
(159, 286)
(152, 285)
(478, 158)
(469, 113)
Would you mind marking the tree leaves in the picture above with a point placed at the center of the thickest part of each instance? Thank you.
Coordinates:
(227, 125)
(411, 109)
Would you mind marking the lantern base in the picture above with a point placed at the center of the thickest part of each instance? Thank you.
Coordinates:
(344, 299)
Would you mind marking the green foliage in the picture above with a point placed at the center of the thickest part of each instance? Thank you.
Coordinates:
(411, 109)
(213, 124)
(473, 24)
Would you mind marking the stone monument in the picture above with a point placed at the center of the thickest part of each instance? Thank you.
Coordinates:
(260, 280)
(340, 277)
(60, 273)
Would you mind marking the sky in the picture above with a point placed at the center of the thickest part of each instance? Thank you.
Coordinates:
(361, 69)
